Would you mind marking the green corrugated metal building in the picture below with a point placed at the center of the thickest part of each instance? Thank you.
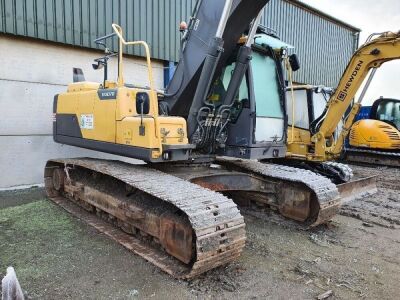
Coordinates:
(324, 44)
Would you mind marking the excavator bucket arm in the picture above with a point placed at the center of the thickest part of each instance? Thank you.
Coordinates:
(195, 47)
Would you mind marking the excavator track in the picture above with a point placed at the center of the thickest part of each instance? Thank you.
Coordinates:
(390, 159)
(337, 172)
(346, 173)
(326, 198)
(190, 229)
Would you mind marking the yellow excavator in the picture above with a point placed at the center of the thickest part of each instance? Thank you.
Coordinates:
(176, 211)
(305, 104)
(318, 143)
(376, 140)
(179, 209)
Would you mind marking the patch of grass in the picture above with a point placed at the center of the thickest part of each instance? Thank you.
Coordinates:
(43, 242)
(56, 256)
(31, 234)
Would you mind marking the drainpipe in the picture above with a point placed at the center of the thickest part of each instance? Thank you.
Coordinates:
(169, 70)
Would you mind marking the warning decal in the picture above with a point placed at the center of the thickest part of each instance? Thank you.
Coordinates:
(87, 122)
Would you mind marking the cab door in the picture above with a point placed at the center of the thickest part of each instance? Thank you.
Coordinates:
(270, 116)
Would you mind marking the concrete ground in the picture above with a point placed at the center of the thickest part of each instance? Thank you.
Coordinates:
(356, 256)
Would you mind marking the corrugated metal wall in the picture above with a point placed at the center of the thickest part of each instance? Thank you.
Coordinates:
(79, 22)
(323, 46)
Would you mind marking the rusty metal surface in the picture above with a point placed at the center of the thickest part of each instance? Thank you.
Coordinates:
(173, 233)
(357, 189)
(248, 188)
(390, 159)
(217, 224)
(314, 209)
(298, 194)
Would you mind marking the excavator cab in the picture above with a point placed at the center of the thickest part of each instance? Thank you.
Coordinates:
(305, 108)
(260, 98)
(387, 110)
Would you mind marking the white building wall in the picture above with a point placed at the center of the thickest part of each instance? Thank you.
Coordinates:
(31, 73)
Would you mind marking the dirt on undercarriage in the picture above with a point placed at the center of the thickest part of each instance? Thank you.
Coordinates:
(356, 256)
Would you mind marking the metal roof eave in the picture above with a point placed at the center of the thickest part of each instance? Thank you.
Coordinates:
(320, 13)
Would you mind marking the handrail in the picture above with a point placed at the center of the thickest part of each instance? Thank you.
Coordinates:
(122, 42)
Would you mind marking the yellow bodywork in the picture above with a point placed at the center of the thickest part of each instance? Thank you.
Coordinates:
(117, 121)
(107, 113)
(300, 140)
(374, 134)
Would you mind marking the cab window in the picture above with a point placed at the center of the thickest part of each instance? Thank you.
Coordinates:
(220, 87)
(319, 104)
(266, 86)
(389, 111)
(301, 116)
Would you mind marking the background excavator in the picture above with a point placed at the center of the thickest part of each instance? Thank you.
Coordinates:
(168, 208)
(305, 104)
(320, 139)
(376, 139)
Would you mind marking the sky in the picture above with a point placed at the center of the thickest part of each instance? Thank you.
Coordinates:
(370, 16)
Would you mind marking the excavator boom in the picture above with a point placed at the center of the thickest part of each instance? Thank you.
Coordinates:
(197, 47)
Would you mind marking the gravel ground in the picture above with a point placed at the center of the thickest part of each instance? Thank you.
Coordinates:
(356, 256)
(383, 209)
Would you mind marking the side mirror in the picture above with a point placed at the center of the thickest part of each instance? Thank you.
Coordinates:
(142, 103)
(294, 62)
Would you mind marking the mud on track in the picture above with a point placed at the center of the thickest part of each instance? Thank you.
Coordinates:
(357, 256)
